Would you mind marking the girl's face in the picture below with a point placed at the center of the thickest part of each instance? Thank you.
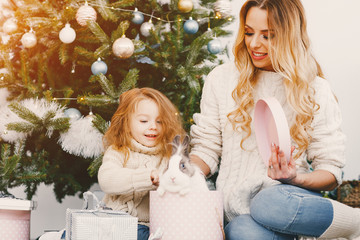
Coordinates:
(145, 124)
(257, 34)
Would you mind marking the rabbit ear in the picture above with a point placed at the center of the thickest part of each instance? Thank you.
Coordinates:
(175, 144)
(186, 141)
(176, 140)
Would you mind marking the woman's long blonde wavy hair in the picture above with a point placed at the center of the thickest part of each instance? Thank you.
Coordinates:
(290, 54)
(119, 134)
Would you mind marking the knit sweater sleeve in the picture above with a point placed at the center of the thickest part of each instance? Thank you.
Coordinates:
(206, 141)
(115, 179)
(327, 148)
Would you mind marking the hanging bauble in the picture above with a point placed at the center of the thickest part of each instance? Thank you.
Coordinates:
(10, 26)
(222, 8)
(191, 26)
(146, 27)
(138, 17)
(99, 67)
(163, 2)
(214, 46)
(72, 113)
(85, 13)
(67, 34)
(28, 40)
(123, 47)
(185, 6)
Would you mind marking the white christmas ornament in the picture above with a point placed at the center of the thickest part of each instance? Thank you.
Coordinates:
(67, 34)
(145, 28)
(39, 107)
(223, 7)
(29, 40)
(85, 13)
(10, 26)
(123, 47)
(163, 2)
(82, 139)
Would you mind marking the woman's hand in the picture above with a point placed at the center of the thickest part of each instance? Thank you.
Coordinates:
(279, 169)
(154, 176)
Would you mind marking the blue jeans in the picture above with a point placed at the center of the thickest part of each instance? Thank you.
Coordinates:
(143, 232)
(282, 212)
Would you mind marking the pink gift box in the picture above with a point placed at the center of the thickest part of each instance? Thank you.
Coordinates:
(15, 219)
(196, 215)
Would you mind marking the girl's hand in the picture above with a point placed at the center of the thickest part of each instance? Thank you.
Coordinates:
(154, 176)
(279, 169)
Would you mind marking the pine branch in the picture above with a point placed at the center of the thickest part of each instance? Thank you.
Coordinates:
(129, 81)
(105, 12)
(60, 124)
(94, 166)
(24, 113)
(97, 100)
(98, 32)
(107, 86)
(63, 54)
(120, 31)
(103, 50)
(100, 124)
(20, 127)
(24, 58)
(81, 51)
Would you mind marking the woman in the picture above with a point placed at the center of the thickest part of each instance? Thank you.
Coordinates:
(273, 59)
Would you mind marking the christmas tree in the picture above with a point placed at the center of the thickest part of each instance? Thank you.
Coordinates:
(64, 64)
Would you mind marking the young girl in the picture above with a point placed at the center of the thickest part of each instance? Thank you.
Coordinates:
(138, 149)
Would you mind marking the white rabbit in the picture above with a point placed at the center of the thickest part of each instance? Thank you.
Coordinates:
(181, 176)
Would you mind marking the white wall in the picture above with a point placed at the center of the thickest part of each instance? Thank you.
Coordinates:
(335, 33)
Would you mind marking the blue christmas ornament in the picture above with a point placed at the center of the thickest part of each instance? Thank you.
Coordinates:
(191, 26)
(72, 113)
(138, 17)
(214, 46)
(99, 67)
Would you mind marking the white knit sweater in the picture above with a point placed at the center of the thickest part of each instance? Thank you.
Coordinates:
(127, 188)
(242, 173)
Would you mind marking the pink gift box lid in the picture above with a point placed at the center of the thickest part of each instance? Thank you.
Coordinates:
(271, 126)
(16, 204)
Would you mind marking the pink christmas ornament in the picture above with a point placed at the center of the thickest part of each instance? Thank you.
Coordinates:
(85, 13)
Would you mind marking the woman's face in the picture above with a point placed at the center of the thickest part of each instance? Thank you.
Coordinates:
(257, 34)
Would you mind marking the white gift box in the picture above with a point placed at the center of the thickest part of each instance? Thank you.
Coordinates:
(98, 224)
(15, 218)
(194, 216)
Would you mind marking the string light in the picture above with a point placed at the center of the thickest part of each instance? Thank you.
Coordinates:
(150, 15)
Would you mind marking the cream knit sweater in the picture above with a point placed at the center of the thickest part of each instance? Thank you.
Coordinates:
(242, 174)
(127, 188)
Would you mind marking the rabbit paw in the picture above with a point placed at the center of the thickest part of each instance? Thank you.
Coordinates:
(160, 191)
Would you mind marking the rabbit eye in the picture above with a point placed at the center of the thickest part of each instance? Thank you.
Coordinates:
(182, 165)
